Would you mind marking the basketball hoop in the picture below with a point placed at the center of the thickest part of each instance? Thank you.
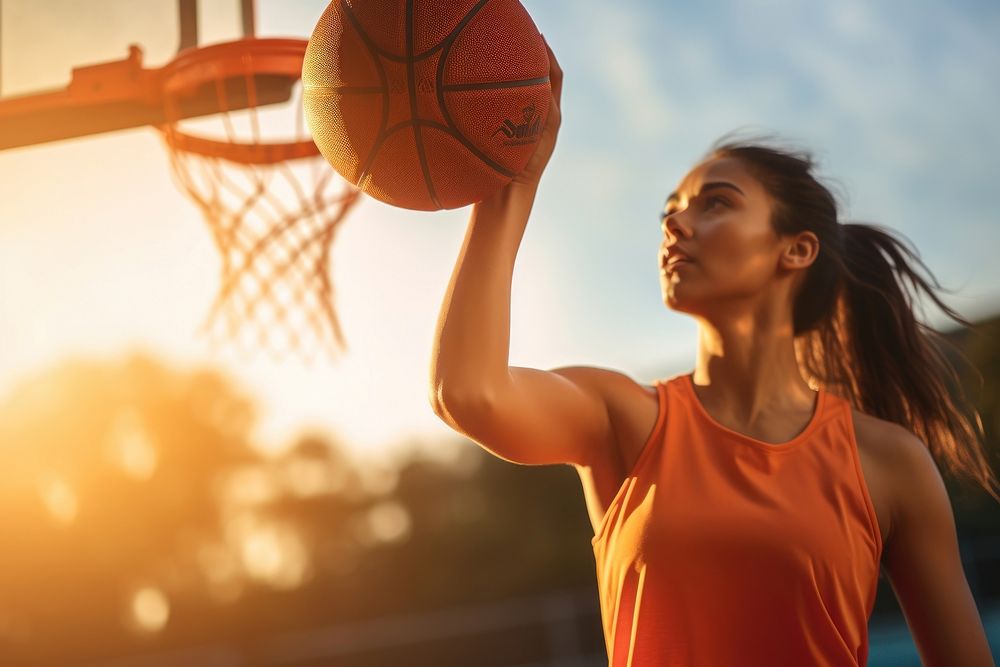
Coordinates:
(272, 205)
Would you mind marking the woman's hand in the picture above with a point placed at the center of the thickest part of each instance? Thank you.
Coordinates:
(532, 172)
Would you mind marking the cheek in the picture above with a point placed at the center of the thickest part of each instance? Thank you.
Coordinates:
(733, 257)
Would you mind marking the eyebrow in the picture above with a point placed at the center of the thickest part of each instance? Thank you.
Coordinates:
(707, 186)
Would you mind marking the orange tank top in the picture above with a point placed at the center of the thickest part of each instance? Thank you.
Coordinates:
(721, 550)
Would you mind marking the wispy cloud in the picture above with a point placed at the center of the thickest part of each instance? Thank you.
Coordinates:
(625, 72)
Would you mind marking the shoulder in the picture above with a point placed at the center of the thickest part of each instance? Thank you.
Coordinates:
(887, 440)
(613, 385)
(891, 443)
(632, 407)
(904, 462)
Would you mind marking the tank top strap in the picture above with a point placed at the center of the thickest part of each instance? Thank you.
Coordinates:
(655, 438)
(670, 400)
(647, 454)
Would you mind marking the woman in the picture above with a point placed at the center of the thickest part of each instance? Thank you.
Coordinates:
(741, 511)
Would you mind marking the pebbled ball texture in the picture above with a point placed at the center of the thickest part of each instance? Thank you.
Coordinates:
(426, 104)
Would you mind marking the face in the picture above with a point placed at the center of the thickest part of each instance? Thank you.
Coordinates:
(719, 216)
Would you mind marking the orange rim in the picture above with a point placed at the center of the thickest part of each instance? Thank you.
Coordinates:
(240, 59)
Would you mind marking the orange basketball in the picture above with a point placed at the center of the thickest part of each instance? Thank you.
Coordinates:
(426, 105)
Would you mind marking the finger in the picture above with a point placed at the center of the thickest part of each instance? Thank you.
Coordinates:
(553, 117)
(555, 73)
(554, 67)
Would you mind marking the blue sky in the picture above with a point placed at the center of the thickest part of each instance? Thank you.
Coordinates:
(897, 101)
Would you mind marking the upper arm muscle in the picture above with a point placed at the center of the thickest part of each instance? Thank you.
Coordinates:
(541, 417)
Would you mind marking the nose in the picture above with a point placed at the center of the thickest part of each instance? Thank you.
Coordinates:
(674, 228)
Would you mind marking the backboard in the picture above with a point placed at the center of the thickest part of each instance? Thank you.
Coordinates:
(197, 72)
(72, 68)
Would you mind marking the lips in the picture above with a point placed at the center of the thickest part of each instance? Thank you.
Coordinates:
(672, 266)
(674, 258)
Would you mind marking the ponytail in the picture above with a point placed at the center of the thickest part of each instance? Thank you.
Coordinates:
(856, 331)
(890, 364)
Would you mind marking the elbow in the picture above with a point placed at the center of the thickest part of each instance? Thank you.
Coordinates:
(450, 401)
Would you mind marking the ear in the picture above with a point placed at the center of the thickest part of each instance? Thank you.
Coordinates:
(801, 251)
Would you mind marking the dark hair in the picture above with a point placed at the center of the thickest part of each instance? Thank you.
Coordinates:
(855, 330)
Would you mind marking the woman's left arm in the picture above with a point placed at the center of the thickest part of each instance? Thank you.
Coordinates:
(924, 566)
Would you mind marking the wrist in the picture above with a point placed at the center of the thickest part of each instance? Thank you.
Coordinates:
(523, 189)
(512, 194)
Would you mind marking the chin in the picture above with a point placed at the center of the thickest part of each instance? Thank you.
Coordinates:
(671, 301)
(679, 296)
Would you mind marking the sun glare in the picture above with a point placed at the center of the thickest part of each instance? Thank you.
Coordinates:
(60, 499)
(389, 521)
(130, 447)
(150, 609)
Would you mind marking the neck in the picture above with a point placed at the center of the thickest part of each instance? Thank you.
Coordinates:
(747, 370)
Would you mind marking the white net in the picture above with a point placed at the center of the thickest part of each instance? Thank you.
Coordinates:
(273, 221)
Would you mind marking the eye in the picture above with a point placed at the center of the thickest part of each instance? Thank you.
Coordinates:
(709, 203)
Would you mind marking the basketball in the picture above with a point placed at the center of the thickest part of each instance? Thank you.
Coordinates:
(426, 106)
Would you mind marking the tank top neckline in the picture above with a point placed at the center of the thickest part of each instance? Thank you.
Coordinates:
(687, 382)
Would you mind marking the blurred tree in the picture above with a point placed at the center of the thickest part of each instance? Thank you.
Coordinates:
(109, 483)
(137, 516)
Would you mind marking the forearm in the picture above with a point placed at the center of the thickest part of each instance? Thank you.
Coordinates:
(472, 342)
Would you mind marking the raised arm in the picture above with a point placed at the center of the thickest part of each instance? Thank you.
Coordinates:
(523, 415)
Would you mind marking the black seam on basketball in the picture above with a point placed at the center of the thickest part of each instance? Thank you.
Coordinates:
(388, 55)
(451, 131)
(465, 142)
(439, 85)
(411, 80)
(423, 165)
(450, 37)
(408, 123)
(345, 6)
(458, 87)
